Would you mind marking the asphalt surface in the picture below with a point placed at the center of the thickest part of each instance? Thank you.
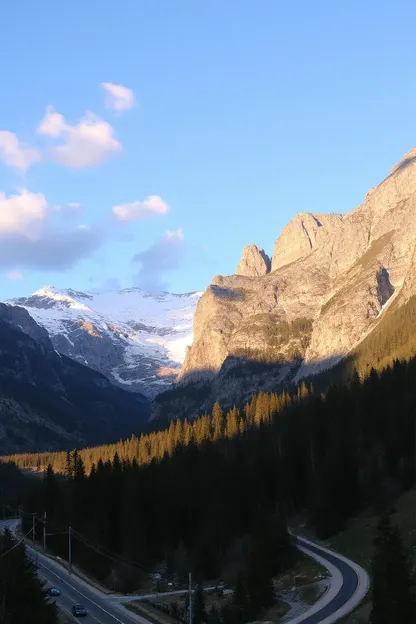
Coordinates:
(102, 608)
(73, 590)
(347, 590)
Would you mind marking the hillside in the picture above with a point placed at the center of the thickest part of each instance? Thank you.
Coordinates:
(332, 287)
(48, 401)
(325, 458)
(138, 340)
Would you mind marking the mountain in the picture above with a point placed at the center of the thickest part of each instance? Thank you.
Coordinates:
(136, 339)
(328, 285)
(48, 401)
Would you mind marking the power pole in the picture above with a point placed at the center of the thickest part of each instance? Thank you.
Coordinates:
(70, 550)
(44, 531)
(190, 597)
(33, 529)
(312, 455)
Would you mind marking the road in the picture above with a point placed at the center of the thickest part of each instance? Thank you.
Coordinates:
(349, 584)
(101, 607)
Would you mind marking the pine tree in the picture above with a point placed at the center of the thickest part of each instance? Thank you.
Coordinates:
(392, 599)
(217, 421)
(22, 597)
(259, 581)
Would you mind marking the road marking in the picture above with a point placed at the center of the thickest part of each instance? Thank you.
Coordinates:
(83, 595)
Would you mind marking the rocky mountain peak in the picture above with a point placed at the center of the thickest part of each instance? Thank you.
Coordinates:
(302, 235)
(333, 277)
(254, 262)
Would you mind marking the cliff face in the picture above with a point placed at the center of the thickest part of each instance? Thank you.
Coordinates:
(332, 273)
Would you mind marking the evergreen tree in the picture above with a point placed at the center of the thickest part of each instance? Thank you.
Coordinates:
(259, 581)
(22, 596)
(392, 597)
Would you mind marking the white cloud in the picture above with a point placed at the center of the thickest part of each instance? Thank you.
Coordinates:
(53, 124)
(15, 155)
(85, 144)
(14, 275)
(137, 211)
(22, 214)
(117, 97)
(163, 256)
(33, 235)
(74, 205)
(176, 235)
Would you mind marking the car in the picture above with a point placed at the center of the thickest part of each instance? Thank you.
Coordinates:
(54, 591)
(78, 610)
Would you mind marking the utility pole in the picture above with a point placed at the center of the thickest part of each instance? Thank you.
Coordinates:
(190, 597)
(70, 550)
(312, 455)
(44, 531)
(33, 529)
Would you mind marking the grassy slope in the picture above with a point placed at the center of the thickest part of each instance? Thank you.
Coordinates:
(356, 542)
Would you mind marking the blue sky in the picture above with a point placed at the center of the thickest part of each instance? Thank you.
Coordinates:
(237, 115)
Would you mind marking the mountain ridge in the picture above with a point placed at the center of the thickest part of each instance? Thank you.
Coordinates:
(337, 271)
(48, 401)
(138, 340)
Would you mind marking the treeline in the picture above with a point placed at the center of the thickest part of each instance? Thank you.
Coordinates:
(199, 510)
(262, 409)
(201, 494)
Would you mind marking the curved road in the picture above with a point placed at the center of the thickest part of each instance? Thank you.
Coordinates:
(349, 584)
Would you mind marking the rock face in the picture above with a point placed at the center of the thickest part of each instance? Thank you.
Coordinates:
(136, 339)
(331, 274)
(48, 401)
(254, 262)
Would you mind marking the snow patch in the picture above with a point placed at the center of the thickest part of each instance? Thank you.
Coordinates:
(150, 328)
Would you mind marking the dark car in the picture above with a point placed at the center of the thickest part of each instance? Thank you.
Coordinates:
(79, 610)
(54, 591)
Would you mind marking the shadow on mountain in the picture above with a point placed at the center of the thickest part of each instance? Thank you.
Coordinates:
(392, 337)
(48, 401)
(240, 377)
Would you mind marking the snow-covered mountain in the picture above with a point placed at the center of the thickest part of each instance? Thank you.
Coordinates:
(136, 339)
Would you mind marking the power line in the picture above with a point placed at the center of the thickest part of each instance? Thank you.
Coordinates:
(20, 541)
(109, 554)
(101, 550)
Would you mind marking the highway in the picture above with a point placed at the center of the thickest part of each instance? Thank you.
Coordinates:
(349, 584)
(100, 607)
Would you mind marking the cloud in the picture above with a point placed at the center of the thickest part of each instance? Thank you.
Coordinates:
(31, 236)
(137, 211)
(117, 97)
(22, 214)
(15, 155)
(53, 124)
(74, 205)
(84, 145)
(163, 256)
(14, 275)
